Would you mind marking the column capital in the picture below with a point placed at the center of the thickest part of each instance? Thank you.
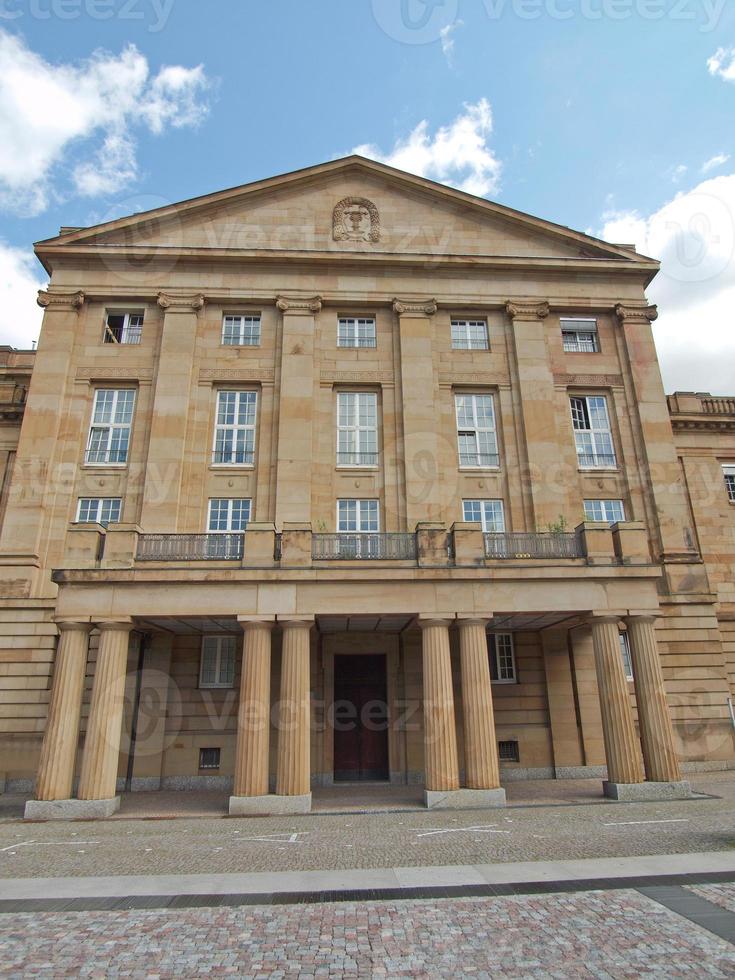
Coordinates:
(470, 620)
(305, 622)
(642, 617)
(60, 301)
(426, 620)
(171, 303)
(636, 314)
(294, 304)
(599, 619)
(527, 310)
(415, 307)
(115, 624)
(63, 625)
(256, 622)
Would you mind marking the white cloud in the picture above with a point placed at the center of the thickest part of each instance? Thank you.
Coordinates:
(715, 162)
(679, 173)
(694, 236)
(457, 154)
(445, 35)
(93, 106)
(20, 316)
(722, 64)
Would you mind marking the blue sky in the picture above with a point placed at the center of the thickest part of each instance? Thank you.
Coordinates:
(617, 119)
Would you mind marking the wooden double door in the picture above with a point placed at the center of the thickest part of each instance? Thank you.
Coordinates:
(360, 718)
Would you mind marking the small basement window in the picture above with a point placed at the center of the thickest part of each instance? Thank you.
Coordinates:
(209, 758)
(508, 751)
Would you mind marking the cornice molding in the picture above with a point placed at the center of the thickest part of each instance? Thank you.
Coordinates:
(709, 423)
(527, 311)
(171, 303)
(415, 308)
(636, 314)
(60, 301)
(288, 304)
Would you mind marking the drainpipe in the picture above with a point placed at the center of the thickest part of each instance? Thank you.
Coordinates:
(732, 712)
(143, 647)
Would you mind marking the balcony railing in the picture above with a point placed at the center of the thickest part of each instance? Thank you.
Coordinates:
(114, 457)
(357, 459)
(592, 461)
(718, 406)
(511, 545)
(190, 547)
(364, 547)
(233, 457)
(479, 460)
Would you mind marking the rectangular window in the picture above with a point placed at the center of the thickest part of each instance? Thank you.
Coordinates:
(123, 328)
(357, 428)
(234, 433)
(476, 436)
(625, 654)
(592, 434)
(611, 511)
(489, 513)
(109, 433)
(509, 751)
(356, 332)
(241, 330)
(580, 336)
(358, 516)
(209, 758)
(217, 666)
(470, 335)
(502, 658)
(99, 510)
(228, 515)
(729, 473)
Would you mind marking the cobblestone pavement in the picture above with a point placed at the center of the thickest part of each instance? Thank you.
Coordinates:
(722, 895)
(376, 840)
(590, 934)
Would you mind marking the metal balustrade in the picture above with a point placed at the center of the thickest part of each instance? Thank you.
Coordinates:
(595, 460)
(190, 547)
(364, 547)
(545, 544)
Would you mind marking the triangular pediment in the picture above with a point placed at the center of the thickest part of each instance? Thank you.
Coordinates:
(347, 206)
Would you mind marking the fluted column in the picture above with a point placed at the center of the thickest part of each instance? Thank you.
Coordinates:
(253, 718)
(293, 774)
(104, 728)
(654, 720)
(621, 743)
(482, 768)
(59, 750)
(440, 735)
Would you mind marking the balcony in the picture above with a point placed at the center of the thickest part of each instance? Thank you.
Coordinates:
(520, 545)
(190, 547)
(364, 547)
(592, 461)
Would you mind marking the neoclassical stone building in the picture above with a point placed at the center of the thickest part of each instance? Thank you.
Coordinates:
(348, 476)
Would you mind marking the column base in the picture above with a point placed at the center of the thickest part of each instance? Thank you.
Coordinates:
(71, 809)
(643, 792)
(463, 799)
(265, 806)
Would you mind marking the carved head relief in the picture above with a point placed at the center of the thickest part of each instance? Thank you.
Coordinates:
(356, 220)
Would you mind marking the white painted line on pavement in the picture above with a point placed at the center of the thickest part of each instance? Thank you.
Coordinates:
(486, 829)
(46, 843)
(634, 823)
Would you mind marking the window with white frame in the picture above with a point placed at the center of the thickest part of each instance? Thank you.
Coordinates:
(241, 329)
(109, 432)
(476, 435)
(729, 473)
(502, 658)
(356, 331)
(123, 328)
(357, 428)
(470, 335)
(489, 513)
(99, 510)
(358, 517)
(625, 655)
(217, 664)
(234, 432)
(611, 511)
(228, 515)
(580, 336)
(592, 435)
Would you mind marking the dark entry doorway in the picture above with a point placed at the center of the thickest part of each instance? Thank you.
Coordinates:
(360, 718)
